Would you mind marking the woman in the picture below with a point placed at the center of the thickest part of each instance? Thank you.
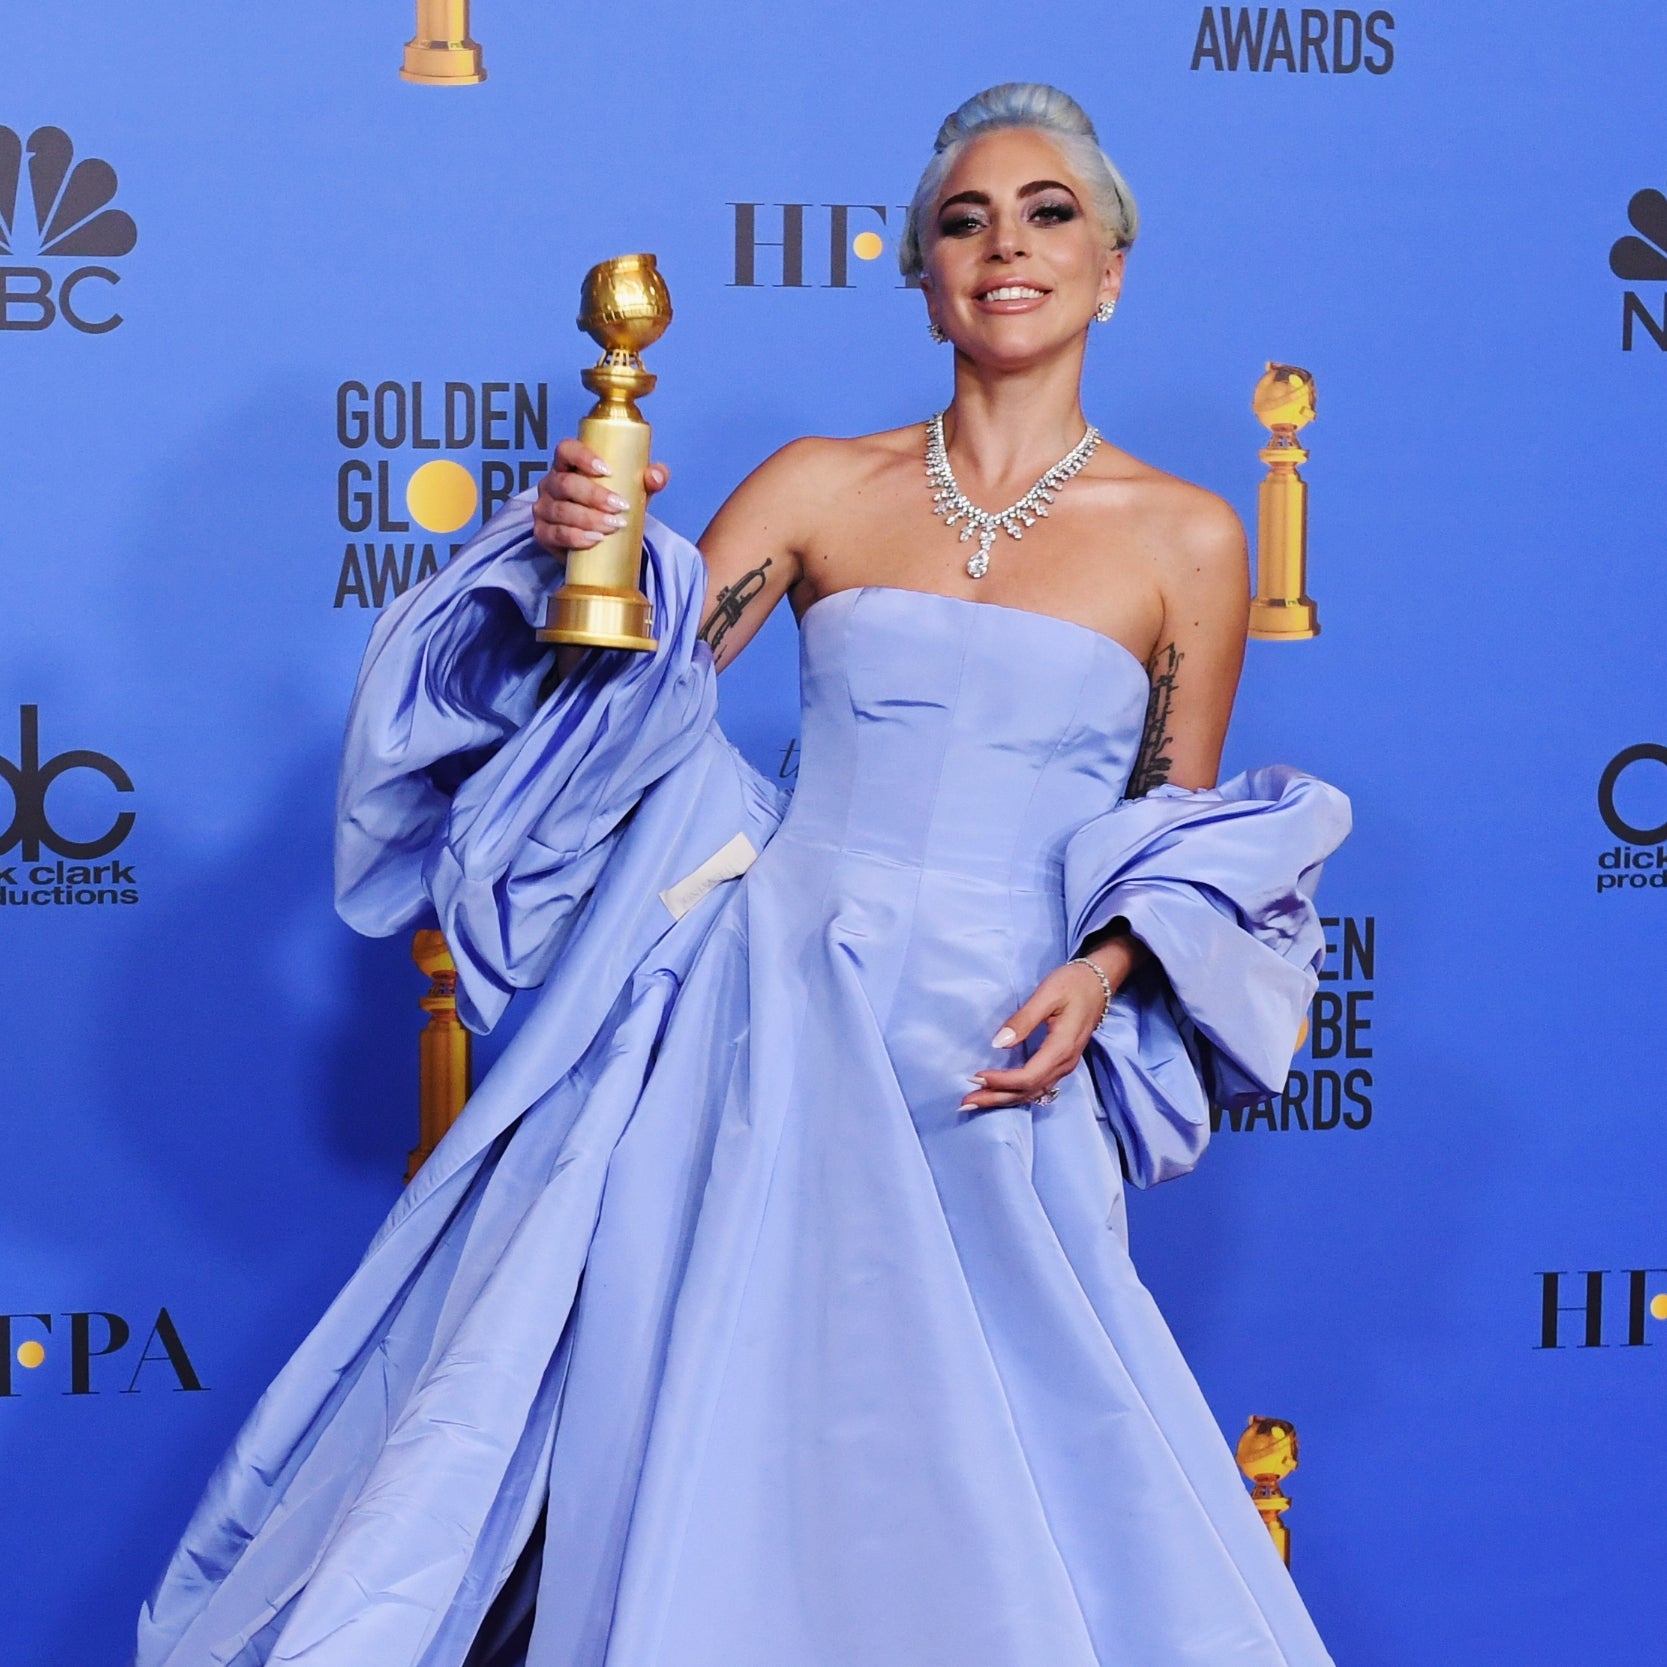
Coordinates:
(769, 1304)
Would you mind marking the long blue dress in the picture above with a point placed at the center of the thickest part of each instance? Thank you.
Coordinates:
(714, 1334)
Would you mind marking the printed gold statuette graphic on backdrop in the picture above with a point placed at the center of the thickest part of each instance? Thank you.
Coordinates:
(441, 54)
(623, 307)
(1267, 1454)
(1282, 609)
(445, 1050)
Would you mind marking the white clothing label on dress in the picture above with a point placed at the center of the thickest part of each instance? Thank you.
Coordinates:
(728, 862)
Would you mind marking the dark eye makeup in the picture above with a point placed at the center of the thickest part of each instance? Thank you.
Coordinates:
(1054, 211)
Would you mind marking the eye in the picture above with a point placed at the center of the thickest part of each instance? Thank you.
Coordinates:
(959, 225)
(1054, 213)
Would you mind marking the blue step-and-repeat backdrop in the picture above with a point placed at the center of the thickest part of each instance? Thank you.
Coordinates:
(277, 329)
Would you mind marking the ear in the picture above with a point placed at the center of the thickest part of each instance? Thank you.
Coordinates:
(1111, 278)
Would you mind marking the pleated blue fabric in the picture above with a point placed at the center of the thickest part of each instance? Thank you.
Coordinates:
(714, 1334)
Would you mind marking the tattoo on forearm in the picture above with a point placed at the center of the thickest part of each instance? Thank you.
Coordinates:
(731, 603)
(1152, 763)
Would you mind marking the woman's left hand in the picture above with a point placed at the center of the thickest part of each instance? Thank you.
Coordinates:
(1070, 1001)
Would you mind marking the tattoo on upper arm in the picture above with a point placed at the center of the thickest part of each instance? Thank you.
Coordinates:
(730, 604)
(1152, 763)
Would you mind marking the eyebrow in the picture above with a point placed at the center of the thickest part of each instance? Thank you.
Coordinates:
(982, 198)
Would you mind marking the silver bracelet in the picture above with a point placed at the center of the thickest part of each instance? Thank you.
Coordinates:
(1105, 983)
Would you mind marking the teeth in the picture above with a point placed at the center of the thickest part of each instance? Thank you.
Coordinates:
(1013, 292)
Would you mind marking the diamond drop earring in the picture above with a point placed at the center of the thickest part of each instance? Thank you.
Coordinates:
(935, 330)
(1104, 311)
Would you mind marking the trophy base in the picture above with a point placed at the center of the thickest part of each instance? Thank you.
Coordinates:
(443, 64)
(591, 617)
(1281, 621)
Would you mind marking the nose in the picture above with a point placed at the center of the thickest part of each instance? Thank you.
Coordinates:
(1004, 242)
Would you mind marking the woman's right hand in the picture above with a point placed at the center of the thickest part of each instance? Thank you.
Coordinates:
(577, 506)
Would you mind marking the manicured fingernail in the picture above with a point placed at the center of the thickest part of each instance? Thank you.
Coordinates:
(616, 522)
(1004, 1038)
(966, 1105)
(977, 1082)
(617, 502)
(598, 467)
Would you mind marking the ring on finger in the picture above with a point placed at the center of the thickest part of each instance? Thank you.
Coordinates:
(1046, 1097)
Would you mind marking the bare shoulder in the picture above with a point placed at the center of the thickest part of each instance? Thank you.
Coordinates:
(1194, 537)
(777, 500)
(817, 462)
(1196, 548)
(796, 489)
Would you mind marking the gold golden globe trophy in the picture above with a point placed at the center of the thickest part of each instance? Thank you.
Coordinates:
(441, 53)
(624, 307)
(1267, 1454)
(1282, 610)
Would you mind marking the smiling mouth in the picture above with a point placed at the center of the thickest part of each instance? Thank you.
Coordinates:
(1012, 292)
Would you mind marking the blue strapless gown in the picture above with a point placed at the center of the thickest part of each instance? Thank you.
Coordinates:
(714, 1334)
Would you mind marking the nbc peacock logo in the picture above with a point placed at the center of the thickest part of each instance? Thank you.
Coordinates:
(55, 208)
(1642, 258)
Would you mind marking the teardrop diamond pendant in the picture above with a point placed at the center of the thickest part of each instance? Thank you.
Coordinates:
(951, 504)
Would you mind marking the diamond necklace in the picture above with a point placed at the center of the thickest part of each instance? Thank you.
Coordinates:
(950, 502)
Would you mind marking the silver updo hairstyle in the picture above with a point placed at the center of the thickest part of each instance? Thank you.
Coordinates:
(1047, 110)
